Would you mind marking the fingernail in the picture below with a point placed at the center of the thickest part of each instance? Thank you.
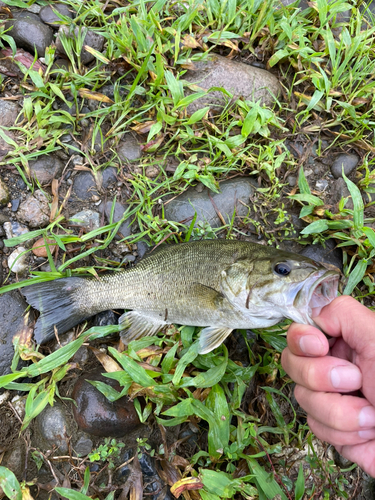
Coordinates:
(367, 417)
(346, 378)
(311, 345)
(367, 434)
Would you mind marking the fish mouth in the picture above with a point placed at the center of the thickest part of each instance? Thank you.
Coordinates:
(319, 290)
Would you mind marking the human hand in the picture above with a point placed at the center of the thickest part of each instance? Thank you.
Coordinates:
(325, 370)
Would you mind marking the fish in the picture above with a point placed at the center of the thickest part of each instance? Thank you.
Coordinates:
(219, 285)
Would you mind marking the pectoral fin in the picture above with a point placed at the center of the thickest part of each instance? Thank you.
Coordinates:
(138, 325)
(211, 337)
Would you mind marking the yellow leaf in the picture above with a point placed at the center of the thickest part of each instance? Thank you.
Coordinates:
(96, 96)
(187, 483)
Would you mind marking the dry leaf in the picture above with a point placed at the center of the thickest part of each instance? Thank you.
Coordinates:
(188, 483)
(96, 96)
(190, 42)
(109, 364)
(144, 127)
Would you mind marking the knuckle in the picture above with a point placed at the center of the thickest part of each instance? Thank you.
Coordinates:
(309, 374)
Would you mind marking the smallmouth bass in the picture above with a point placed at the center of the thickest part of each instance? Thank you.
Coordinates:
(216, 284)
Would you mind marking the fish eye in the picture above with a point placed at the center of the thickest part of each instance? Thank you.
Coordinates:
(282, 269)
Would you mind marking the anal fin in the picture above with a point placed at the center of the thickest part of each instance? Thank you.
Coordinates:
(211, 337)
(137, 325)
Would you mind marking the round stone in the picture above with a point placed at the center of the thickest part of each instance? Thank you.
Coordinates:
(48, 14)
(39, 247)
(4, 193)
(17, 263)
(29, 32)
(96, 415)
(348, 162)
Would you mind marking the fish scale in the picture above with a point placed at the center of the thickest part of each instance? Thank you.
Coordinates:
(216, 284)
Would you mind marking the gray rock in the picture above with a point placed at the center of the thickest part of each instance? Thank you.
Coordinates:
(46, 168)
(17, 263)
(92, 39)
(84, 186)
(12, 322)
(86, 218)
(48, 14)
(63, 64)
(4, 146)
(8, 113)
(15, 204)
(4, 193)
(242, 80)
(348, 161)
(83, 446)
(142, 248)
(292, 180)
(34, 211)
(328, 255)
(125, 228)
(129, 148)
(53, 427)
(109, 177)
(339, 190)
(321, 185)
(232, 192)
(14, 229)
(29, 32)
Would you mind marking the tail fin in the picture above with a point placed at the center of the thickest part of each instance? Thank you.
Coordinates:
(57, 302)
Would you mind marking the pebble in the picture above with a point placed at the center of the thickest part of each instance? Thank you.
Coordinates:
(119, 249)
(15, 204)
(339, 190)
(241, 79)
(84, 186)
(152, 484)
(53, 427)
(109, 177)
(129, 148)
(4, 193)
(60, 64)
(152, 172)
(86, 218)
(125, 228)
(29, 32)
(35, 210)
(96, 415)
(321, 184)
(83, 446)
(18, 264)
(14, 229)
(8, 113)
(46, 168)
(233, 191)
(292, 180)
(47, 14)
(329, 255)
(12, 307)
(92, 39)
(106, 318)
(39, 248)
(19, 404)
(348, 161)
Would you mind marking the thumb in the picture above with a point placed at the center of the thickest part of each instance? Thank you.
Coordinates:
(354, 322)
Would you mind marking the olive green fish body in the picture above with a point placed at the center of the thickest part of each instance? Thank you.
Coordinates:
(217, 284)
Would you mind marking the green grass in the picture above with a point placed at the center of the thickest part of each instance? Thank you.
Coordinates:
(326, 65)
